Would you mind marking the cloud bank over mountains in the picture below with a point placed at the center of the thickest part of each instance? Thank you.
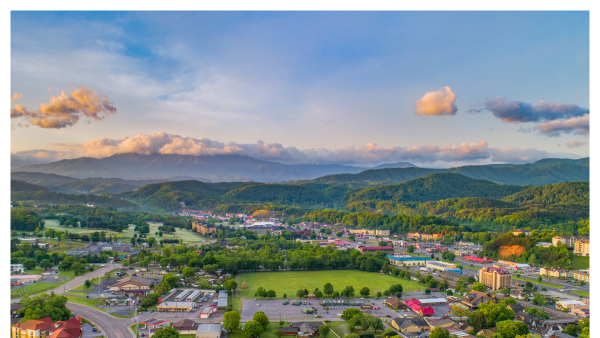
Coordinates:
(369, 154)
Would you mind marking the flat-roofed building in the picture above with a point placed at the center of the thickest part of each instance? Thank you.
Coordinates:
(519, 232)
(581, 248)
(175, 306)
(209, 331)
(406, 260)
(554, 272)
(26, 278)
(442, 266)
(495, 278)
(373, 232)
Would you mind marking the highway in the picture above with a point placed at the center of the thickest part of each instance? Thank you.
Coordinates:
(81, 279)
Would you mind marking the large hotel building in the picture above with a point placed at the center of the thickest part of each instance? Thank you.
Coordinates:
(495, 278)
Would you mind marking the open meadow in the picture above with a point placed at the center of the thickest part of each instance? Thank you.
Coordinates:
(289, 282)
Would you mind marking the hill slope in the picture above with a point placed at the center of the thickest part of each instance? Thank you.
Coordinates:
(572, 193)
(435, 187)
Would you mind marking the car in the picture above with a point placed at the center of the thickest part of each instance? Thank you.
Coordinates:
(95, 329)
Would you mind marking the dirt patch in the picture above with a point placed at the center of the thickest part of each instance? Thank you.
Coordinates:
(506, 251)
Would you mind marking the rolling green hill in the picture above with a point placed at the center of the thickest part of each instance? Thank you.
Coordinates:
(17, 185)
(571, 193)
(276, 193)
(435, 187)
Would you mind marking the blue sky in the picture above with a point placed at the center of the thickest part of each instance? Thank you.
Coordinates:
(335, 82)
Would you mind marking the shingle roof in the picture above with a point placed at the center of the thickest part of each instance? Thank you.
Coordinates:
(133, 279)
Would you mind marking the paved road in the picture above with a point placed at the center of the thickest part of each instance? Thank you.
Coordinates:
(112, 327)
(81, 279)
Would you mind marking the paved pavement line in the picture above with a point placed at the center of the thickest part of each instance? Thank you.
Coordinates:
(335, 333)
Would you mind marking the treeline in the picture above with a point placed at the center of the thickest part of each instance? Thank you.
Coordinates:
(553, 256)
(43, 197)
(25, 219)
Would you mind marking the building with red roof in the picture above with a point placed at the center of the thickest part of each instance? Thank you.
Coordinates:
(415, 305)
(44, 327)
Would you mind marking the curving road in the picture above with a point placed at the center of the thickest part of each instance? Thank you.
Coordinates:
(112, 327)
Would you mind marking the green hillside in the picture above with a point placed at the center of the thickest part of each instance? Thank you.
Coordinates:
(572, 193)
(435, 187)
(276, 193)
(17, 185)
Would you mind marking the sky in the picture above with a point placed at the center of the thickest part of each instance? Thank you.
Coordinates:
(436, 89)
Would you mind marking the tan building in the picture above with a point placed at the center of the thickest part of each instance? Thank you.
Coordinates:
(568, 240)
(131, 283)
(439, 265)
(410, 325)
(425, 237)
(555, 273)
(175, 306)
(45, 328)
(518, 232)
(209, 331)
(475, 298)
(581, 276)
(494, 278)
(581, 248)
(203, 229)
(372, 232)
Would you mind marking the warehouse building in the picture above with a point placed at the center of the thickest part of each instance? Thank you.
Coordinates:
(407, 260)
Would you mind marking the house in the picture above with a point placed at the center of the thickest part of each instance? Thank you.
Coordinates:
(475, 298)
(305, 329)
(464, 327)
(569, 241)
(132, 283)
(559, 335)
(581, 311)
(520, 295)
(443, 323)
(44, 327)
(410, 325)
(50, 272)
(515, 307)
(186, 326)
(14, 308)
(552, 329)
(392, 302)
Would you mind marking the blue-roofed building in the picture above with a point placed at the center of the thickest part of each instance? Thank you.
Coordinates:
(407, 260)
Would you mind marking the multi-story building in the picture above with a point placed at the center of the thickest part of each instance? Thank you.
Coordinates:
(495, 278)
(203, 229)
(45, 328)
(373, 232)
(556, 273)
(568, 240)
(581, 276)
(426, 237)
(581, 248)
(518, 232)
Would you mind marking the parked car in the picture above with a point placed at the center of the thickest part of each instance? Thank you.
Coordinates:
(95, 329)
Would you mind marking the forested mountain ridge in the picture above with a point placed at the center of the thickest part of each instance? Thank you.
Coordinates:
(434, 187)
(573, 193)
(546, 171)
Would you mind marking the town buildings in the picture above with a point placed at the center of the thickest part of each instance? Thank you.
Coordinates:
(442, 266)
(203, 229)
(425, 237)
(581, 276)
(521, 232)
(495, 278)
(406, 260)
(374, 249)
(372, 232)
(581, 248)
(46, 328)
(475, 298)
(569, 241)
(555, 273)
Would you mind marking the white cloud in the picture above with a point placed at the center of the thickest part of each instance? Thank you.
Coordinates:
(577, 125)
(438, 103)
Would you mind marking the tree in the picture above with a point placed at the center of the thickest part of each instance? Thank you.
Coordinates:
(45, 305)
(324, 330)
(253, 329)
(410, 249)
(231, 320)
(230, 285)
(271, 294)
(365, 322)
(261, 318)
(439, 332)
(29, 264)
(328, 289)
(427, 291)
(45, 264)
(166, 332)
(478, 287)
(496, 312)
(78, 268)
(377, 324)
(319, 294)
(300, 293)
(459, 311)
(477, 320)
(353, 322)
(539, 278)
(86, 284)
(348, 292)
(350, 313)
(339, 234)
(505, 291)
(365, 291)
(335, 294)
(511, 329)
(378, 294)
(261, 292)
(539, 300)
(279, 333)
(188, 273)
(432, 256)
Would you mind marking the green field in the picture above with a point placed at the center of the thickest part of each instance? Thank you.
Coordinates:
(291, 281)
(583, 293)
(187, 236)
(580, 262)
(35, 288)
(269, 332)
(534, 281)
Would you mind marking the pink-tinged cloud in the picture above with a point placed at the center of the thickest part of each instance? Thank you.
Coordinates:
(15, 97)
(574, 144)
(65, 110)
(578, 125)
(438, 103)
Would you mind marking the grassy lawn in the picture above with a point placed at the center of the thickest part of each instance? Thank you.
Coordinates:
(90, 302)
(35, 288)
(66, 273)
(36, 271)
(583, 293)
(291, 281)
(237, 304)
(534, 281)
(93, 281)
(187, 236)
(269, 333)
(338, 327)
(580, 262)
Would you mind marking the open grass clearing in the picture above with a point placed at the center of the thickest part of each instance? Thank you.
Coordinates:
(35, 288)
(583, 293)
(289, 282)
(89, 302)
(187, 236)
(269, 332)
(579, 262)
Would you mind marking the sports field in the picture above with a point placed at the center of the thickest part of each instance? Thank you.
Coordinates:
(187, 236)
(289, 282)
